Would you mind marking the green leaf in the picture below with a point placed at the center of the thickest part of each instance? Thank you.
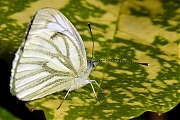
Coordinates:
(141, 31)
(6, 115)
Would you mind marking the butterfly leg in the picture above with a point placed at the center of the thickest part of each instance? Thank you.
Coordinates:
(97, 85)
(90, 82)
(65, 97)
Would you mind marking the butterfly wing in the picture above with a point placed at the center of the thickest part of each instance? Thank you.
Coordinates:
(52, 19)
(50, 57)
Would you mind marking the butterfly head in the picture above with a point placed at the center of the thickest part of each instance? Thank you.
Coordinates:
(91, 64)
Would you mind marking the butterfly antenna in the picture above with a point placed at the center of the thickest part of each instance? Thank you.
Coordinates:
(127, 61)
(92, 40)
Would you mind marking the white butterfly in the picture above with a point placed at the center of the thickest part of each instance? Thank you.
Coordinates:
(51, 58)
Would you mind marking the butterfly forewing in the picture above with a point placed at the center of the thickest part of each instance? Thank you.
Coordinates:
(50, 58)
(53, 19)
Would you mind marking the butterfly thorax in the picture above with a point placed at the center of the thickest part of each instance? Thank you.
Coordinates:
(81, 79)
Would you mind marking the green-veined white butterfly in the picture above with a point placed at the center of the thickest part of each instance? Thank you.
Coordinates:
(51, 58)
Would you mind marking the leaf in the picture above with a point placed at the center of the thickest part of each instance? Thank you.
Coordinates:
(143, 31)
(6, 115)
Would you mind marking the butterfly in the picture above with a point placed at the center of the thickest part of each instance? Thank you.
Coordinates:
(51, 58)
